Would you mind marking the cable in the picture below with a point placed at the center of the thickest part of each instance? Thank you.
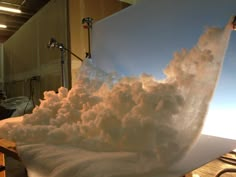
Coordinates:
(228, 160)
(76, 56)
(31, 89)
(227, 170)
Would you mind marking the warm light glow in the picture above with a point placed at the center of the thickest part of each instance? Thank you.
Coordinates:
(8, 9)
(196, 175)
(221, 123)
(3, 26)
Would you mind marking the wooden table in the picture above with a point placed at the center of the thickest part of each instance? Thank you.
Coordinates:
(2, 162)
(7, 148)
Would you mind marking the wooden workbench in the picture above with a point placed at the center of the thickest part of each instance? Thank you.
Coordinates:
(7, 148)
(2, 162)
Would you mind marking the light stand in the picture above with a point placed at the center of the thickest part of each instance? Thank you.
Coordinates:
(63, 78)
(89, 23)
(54, 44)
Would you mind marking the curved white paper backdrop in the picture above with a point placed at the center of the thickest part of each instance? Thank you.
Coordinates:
(158, 120)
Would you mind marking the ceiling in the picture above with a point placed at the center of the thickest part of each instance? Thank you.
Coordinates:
(14, 21)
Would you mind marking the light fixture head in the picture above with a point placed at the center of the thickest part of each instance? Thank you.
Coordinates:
(8, 9)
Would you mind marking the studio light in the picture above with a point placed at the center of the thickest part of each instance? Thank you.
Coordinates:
(8, 9)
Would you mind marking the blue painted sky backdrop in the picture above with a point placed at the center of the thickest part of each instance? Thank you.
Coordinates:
(143, 38)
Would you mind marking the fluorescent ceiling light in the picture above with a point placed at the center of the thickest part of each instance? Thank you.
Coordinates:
(3, 26)
(8, 9)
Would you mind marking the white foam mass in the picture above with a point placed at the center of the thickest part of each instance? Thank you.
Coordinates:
(104, 112)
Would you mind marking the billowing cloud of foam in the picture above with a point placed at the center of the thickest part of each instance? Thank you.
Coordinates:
(105, 112)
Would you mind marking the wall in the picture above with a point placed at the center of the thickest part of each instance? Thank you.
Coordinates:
(79, 9)
(26, 53)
